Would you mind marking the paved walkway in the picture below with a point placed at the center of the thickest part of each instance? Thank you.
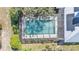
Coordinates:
(5, 41)
(6, 29)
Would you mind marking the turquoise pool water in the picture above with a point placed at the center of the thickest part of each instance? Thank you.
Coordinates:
(43, 26)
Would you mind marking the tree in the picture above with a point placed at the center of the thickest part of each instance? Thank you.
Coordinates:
(14, 15)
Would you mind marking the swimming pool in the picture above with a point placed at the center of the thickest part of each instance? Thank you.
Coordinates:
(39, 28)
(42, 26)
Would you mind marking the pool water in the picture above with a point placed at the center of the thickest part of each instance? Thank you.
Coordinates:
(43, 26)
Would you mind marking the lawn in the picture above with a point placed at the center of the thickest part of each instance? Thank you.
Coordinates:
(37, 46)
(50, 47)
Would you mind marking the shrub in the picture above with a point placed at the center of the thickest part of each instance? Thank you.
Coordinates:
(15, 42)
(48, 48)
(26, 49)
(15, 29)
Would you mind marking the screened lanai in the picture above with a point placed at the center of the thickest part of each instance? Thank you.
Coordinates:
(39, 27)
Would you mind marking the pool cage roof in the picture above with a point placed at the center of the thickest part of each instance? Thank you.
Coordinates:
(38, 27)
